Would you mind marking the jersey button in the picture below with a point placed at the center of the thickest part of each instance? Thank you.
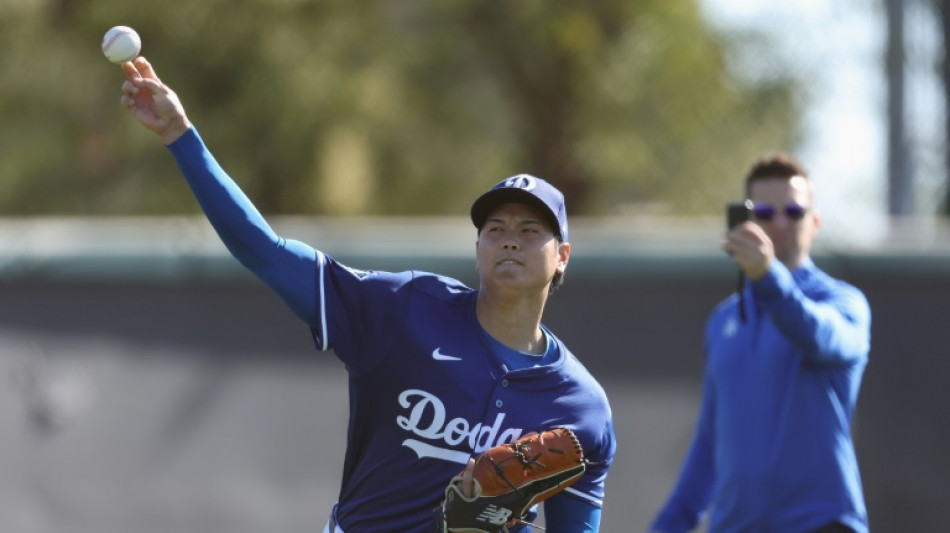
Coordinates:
(499, 403)
(504, 383)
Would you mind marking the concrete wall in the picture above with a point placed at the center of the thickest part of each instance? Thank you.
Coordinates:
(199, 405)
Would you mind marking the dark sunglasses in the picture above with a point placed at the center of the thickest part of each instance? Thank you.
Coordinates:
(766, 212)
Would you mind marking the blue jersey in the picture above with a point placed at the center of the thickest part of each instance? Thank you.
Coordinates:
(773, 449)
(427, 389)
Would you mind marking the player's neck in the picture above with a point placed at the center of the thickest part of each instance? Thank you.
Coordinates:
(515, 322)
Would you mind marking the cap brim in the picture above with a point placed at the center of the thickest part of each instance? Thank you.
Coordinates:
(494, 198)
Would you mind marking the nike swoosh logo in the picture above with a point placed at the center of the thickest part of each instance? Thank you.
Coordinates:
(439, 356)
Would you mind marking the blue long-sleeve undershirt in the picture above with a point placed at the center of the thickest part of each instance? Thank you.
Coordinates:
(287, 266)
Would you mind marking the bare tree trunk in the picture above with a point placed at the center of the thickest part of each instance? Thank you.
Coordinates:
(943, 9)
(900, 197)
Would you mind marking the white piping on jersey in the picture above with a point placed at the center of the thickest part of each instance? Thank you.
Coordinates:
(321, 261)
(588, 497)
(427, 450)
(337, 529)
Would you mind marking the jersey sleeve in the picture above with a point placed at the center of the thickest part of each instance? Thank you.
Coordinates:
(359, 312)
(591, 487)
(349, 310)
(833, 326)
(570, 515)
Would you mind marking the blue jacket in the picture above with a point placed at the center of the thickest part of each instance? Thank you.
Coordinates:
(773, 449)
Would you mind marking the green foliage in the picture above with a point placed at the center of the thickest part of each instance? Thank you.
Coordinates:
(353, 107)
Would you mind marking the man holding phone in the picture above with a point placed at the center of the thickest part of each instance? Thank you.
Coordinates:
(773, 450)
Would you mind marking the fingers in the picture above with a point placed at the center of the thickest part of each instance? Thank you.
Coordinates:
(468, 479)
(130, 70)
(139, 68)
(130, 90)
(139, 71)
(742, 247)
(745, 234)
(138, 76)
(750, 248)
(145, 68)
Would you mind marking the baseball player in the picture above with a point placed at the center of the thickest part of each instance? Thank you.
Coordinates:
(438, 372)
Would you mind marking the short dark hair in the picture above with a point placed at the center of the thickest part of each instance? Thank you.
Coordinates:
(774, 165)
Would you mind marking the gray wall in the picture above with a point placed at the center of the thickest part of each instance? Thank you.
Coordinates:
(196, 405)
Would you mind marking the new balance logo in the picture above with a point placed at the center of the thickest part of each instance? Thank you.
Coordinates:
(494, 515)
(439, 356)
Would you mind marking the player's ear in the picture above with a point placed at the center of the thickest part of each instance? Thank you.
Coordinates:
(563, 255)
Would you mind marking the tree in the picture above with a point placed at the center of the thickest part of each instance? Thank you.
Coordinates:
(389, 107)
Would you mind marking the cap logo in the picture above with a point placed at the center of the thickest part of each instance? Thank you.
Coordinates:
(521, 181)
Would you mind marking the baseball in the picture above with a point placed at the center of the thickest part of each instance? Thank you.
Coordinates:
(121, 44)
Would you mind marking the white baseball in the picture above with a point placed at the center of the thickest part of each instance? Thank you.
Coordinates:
(121, 44)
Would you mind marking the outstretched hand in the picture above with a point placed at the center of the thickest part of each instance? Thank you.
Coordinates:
(152, 102)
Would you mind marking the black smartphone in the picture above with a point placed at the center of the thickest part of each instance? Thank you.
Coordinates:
(738, 213)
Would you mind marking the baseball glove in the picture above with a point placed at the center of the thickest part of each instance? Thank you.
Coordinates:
(511, 478)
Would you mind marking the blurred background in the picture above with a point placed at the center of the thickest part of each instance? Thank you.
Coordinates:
(149, 384)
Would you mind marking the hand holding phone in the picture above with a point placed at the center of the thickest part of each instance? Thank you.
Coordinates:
(738, 213)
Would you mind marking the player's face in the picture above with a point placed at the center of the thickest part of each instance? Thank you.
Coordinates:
(517, 248)
(790, 233)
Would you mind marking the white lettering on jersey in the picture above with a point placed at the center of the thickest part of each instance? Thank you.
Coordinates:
(427, 450)
(426, 406)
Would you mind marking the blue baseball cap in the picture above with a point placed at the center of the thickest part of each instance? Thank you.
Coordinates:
(524, 189)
